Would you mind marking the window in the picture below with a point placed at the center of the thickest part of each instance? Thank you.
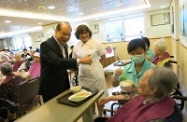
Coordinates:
(22, 42)
(126, 28)
(134, 27)
(114, 30)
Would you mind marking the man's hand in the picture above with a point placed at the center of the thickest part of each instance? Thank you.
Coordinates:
(85, 60)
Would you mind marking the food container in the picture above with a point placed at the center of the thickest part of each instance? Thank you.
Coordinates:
(75, 89)
(126, 85)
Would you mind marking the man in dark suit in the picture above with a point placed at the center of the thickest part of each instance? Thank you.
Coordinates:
(55, 62)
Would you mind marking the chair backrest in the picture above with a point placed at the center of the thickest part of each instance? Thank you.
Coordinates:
(28, 90)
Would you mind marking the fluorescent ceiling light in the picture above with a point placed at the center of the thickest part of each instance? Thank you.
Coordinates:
(5, 12)
(81, 13)
(163, 6)
(51, 7)
(7, 21)
(34, 29)
(112, 13)
(39, 23)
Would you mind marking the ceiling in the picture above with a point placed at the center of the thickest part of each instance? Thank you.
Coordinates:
(26, 14)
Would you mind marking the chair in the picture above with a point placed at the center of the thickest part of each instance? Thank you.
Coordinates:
(27, 97)
(179, 98)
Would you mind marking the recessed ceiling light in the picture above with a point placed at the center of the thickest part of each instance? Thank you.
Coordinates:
(41, 7)
(51, 7)
(81, 13)
(119, 4)
(163, 6)
(7, 21)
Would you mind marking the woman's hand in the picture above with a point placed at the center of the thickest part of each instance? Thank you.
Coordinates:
(118, 72)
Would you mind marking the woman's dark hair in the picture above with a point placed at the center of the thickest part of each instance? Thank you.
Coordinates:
(72, 46)
(24, 49)
(136, 43)
(146, 40)
(81, 29)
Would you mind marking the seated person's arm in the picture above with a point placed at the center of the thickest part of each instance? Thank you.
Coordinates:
(104, 100)
(22, 67)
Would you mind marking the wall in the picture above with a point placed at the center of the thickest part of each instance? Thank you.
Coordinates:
(150, 31)
(156, 31)
(1, 45)
(121, 50)
(179, 50)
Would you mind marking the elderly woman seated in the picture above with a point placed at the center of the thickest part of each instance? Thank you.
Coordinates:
(9, 87)
(161, 56)
(35, 67)
(19, 64)
(153, 104)
(3, 59)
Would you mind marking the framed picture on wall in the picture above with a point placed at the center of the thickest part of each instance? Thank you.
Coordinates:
(160, 19)
(38, 36)
(94, 28)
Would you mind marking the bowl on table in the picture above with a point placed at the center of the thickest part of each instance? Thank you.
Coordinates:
(75, 89)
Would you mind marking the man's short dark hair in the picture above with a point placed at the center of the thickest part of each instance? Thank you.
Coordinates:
(25, 49)
(58, 27)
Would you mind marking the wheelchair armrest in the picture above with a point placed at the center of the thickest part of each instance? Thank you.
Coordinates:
(184, 98)
(7, 101)
(11, 106)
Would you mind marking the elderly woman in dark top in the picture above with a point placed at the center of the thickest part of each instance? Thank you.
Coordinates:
(9, 87)
(153, 104)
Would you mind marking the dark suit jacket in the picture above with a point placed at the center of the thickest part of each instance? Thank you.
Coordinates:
(54, 76)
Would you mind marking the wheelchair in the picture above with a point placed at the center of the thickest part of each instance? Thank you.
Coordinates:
(27, 98)
(177, 95)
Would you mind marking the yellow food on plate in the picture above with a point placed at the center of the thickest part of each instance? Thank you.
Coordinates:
(79, 96)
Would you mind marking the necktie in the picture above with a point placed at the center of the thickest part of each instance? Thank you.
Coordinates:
(63, 51)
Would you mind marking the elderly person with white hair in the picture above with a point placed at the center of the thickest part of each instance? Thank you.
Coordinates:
(3, 59)
(162, 56)
(9, 87)
(11, 82)
(153, 104)
(36, 66)
(19, 64)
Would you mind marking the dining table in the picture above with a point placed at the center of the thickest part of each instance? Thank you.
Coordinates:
(112, 67)
(53, 111)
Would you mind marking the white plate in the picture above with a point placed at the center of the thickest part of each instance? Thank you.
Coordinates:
(79, 96)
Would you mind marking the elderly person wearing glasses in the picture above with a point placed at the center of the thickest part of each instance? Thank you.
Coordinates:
(153, 104)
